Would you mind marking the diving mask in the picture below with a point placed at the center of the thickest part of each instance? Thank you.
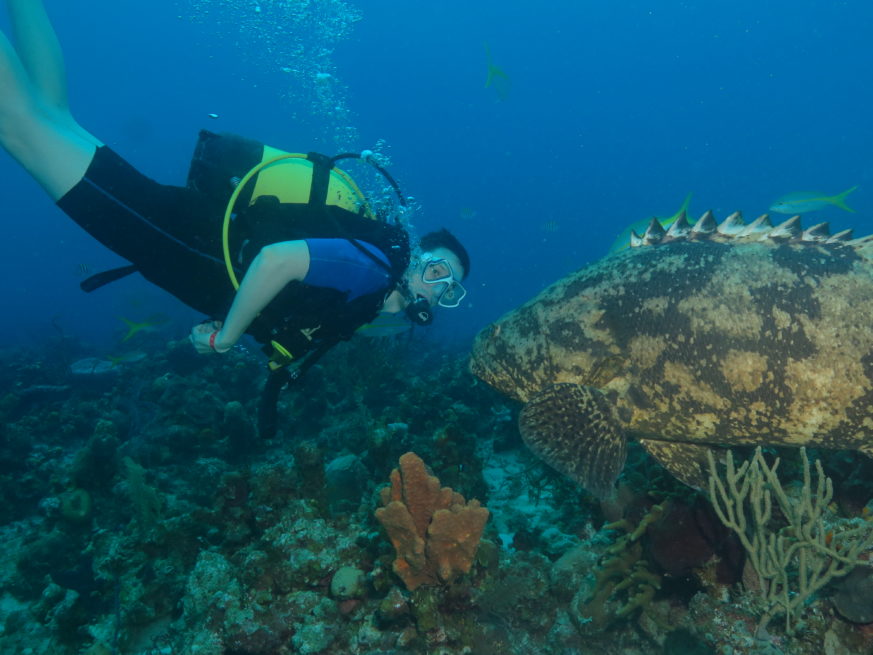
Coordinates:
(439, 271)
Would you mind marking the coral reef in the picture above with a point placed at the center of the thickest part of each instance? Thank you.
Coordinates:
(144, 515)
(624, 581)
(434, 530)
(795, 561)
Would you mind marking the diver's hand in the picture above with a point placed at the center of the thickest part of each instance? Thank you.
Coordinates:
(204, 336)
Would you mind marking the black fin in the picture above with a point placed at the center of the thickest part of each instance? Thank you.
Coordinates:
(575, 430)
(99, 279)
(686, 462)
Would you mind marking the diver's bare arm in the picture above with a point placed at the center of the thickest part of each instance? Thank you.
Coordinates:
(274, 267)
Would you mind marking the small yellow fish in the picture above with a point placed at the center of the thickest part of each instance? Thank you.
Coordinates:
(148, 324)
(623, 240)
(550, 226)
(497, 79)
(82, 270)
(385, 325)
(802, 202)
(127, 358)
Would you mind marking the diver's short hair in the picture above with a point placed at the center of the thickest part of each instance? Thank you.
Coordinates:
(445, 239)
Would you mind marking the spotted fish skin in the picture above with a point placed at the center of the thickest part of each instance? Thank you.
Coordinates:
(729, 334)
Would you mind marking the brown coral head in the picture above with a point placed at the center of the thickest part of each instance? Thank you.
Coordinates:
(434, 530)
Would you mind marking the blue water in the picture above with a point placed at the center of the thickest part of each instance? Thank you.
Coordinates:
(617, 110)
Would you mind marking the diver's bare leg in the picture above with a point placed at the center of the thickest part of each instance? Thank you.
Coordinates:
(39, 50)
(40, 53)
(36, 127)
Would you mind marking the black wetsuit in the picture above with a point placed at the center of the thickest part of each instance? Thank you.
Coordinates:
(172, 234)
(173, 237)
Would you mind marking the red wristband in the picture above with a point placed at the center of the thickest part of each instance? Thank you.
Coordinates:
(212, 340)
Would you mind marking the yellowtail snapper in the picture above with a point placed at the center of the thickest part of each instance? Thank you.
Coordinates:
(802, 202)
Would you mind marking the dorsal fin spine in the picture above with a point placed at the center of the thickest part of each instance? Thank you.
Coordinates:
(705, 224)
(844, 235)
(680, 227)
(787, 229)
(818, 232)
(760, 225)
(654, 232)
(733, 227)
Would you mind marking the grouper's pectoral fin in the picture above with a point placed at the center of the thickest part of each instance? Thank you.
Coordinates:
(575, 430)
(686, 462)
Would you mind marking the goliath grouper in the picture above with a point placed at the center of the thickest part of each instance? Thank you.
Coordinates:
(693, 338)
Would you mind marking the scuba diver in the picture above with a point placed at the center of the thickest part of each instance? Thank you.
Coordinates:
(278, 245)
